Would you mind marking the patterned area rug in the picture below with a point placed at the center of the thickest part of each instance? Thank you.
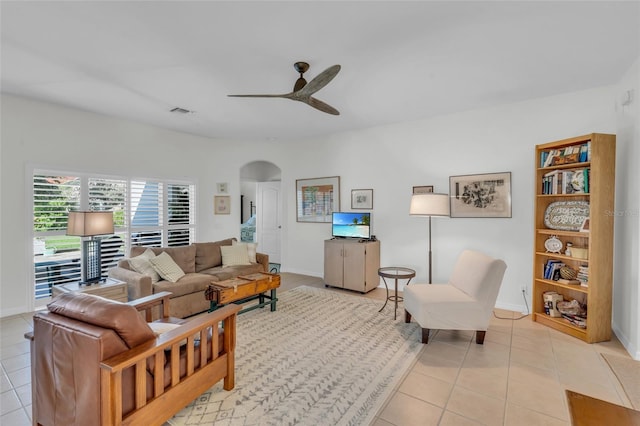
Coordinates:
(323, 358)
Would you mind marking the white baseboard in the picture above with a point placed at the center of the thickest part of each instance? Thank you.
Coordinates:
(634, 352)
(13, 311)
(512, 307)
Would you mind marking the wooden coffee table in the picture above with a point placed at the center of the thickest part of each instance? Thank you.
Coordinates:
(242, 289)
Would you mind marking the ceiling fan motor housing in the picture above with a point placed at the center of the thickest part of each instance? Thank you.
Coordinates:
(301, 67)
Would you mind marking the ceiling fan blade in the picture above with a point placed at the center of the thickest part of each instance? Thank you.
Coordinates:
(303, 94)
(285, 95)
(318, 104)
(319, 81)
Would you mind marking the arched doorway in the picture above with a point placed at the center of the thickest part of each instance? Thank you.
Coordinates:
(261, 208)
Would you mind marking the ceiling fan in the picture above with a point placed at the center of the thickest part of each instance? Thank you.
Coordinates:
(302, 91)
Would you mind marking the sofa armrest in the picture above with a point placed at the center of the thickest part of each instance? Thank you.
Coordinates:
(263, 259)
(138, 285)
(147, 303)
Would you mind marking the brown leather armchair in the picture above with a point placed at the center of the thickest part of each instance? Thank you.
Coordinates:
(97, 362)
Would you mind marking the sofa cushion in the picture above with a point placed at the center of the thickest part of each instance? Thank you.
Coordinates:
(166, 267)
(122, 318)
(220, 274)
(252, 249)
(234, 255)
(184, 256)
(190, 283)
(142, 265)
(208, 255)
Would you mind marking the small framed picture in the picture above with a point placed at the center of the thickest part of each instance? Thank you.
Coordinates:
(222, 204)
(362, 199)
(423, 189)
(585, 225)
(223, 187)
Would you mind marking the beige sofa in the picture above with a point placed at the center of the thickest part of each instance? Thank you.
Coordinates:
(201, 263)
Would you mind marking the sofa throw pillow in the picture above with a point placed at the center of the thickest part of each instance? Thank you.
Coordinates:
(141, 265)
(234, 255)
(167, 267)
(252, 248)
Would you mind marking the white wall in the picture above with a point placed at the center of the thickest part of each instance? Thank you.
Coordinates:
(389, 159)
(626, 294)
(392, 159)
(45, 135)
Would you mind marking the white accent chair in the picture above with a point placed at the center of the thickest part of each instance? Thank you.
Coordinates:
(466, 302)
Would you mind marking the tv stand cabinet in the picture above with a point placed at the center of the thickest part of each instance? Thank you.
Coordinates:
(351, 264)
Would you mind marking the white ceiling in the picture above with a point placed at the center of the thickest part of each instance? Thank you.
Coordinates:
(401, 61)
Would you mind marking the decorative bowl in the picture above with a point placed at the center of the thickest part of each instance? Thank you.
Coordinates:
(566, 215)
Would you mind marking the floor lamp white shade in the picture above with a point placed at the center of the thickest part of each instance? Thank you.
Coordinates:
(429, 204)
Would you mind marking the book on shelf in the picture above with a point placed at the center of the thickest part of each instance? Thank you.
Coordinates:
(579, 153)
(551, 182)
(552, 269)
(568, 282)
(567, 186)
(583, 275)
(584, 152)
(577, 320)
(566, 182)
(580, 180)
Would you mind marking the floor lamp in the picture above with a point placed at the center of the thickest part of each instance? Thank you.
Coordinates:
(429, 204)
(90, 224)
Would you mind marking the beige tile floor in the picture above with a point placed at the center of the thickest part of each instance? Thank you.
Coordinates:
(517, 377)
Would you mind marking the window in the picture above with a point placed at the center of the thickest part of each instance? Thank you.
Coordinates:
(150, 213)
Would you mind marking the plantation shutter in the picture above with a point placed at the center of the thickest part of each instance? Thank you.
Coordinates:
(56, 256)
(110, 195)
(145, 212)
(180, 214)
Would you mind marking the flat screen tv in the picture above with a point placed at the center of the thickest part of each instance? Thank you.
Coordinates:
(351, 225)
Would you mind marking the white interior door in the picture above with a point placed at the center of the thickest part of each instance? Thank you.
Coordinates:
(269, 219)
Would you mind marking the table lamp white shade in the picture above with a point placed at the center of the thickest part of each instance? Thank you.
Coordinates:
(430, 204)
(89, 223)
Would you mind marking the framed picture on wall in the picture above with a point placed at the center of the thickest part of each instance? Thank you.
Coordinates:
(423, 189)
(483, 195)
(223, 187)
(317, 199)
(222, 204)
(362, 199)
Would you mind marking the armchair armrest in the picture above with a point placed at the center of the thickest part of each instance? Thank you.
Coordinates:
(263, 259)
(214, 365)
(138, 285)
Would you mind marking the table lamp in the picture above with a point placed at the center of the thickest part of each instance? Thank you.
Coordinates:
(90, 224)
(429, 204)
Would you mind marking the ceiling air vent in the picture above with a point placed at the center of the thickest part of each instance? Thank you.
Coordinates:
(179, 110)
